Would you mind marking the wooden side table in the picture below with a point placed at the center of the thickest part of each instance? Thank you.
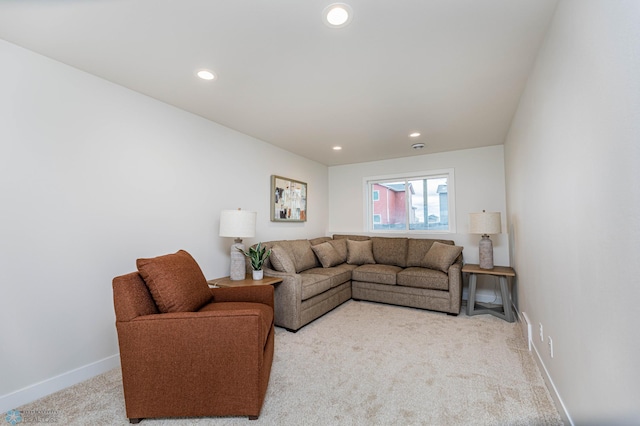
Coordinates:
(503, 273)
(248, 281)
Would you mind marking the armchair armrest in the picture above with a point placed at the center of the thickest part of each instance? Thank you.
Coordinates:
(257, 294)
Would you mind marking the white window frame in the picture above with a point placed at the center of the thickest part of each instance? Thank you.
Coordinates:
(430, 174)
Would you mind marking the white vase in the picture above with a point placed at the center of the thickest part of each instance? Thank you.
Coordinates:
(258, 275)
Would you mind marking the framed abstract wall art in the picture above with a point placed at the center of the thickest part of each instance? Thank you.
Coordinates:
(288, 200)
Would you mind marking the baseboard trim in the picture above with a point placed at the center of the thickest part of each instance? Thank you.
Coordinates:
(46, 387)
(526, 326)
(562, 409)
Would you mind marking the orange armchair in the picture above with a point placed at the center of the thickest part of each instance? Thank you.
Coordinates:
(211, 361)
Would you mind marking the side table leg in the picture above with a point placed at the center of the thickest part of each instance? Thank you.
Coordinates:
(471, 300)
(506, 299)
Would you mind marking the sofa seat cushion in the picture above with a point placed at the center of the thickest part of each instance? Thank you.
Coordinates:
(423, 278)
(314, 284)
(337, 274)
(264, 312)
(376, 273)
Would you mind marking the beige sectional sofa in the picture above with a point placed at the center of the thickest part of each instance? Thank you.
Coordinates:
(321, 273)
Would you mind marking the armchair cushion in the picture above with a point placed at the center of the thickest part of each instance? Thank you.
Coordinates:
(175, 282)
(441, 256)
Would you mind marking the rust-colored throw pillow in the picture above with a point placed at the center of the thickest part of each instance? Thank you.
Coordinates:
(175, 281)
(327, 254)
(360, 252)
(441, 256)
(281, 261)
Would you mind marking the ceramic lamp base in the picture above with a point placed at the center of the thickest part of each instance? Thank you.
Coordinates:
(486, 252)
(237, 269)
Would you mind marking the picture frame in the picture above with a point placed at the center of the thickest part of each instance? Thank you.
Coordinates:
(288, 200)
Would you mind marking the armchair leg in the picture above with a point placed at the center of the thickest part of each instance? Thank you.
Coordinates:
(253, 417)
(135, 421)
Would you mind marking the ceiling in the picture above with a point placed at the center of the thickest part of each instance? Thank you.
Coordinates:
(452, 70)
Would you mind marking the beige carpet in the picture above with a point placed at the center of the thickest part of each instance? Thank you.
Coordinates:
(369, 364)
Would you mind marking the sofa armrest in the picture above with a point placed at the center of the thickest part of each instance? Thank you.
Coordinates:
(455, 286)
(273, 273)
(258, 294)
(288, 298)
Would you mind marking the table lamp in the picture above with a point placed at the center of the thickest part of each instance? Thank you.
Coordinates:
(485, 223)
(238, 224)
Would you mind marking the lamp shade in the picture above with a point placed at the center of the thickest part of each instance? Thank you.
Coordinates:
(485, 223)
(237, 223)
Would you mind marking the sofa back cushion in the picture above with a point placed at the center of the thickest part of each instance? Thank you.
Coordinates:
(351, 237)
(319, 240)
(390, 251)
(175, 282)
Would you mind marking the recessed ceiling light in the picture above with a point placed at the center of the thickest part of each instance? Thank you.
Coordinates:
(206, 75)
(337, 15)
(337, 148)
(417, 146)
(414, 135)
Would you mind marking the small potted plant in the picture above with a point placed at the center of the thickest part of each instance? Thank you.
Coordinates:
(257, 256)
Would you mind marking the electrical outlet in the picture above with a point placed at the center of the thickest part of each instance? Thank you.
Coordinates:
(550, 346)
(541, 333)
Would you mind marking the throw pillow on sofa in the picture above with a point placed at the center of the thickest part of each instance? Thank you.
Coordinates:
(341, 247)
(441, 256)
(300, 252)
(175, 282)
(281, 261)
(360, 252)
(327, 255)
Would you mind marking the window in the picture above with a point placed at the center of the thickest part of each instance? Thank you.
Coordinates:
(414, 203)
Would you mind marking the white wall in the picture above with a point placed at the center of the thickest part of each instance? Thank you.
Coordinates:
(573, 191)
(479, 184)
(94, 176)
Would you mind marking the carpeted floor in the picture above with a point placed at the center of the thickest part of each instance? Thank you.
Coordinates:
(367, 364)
